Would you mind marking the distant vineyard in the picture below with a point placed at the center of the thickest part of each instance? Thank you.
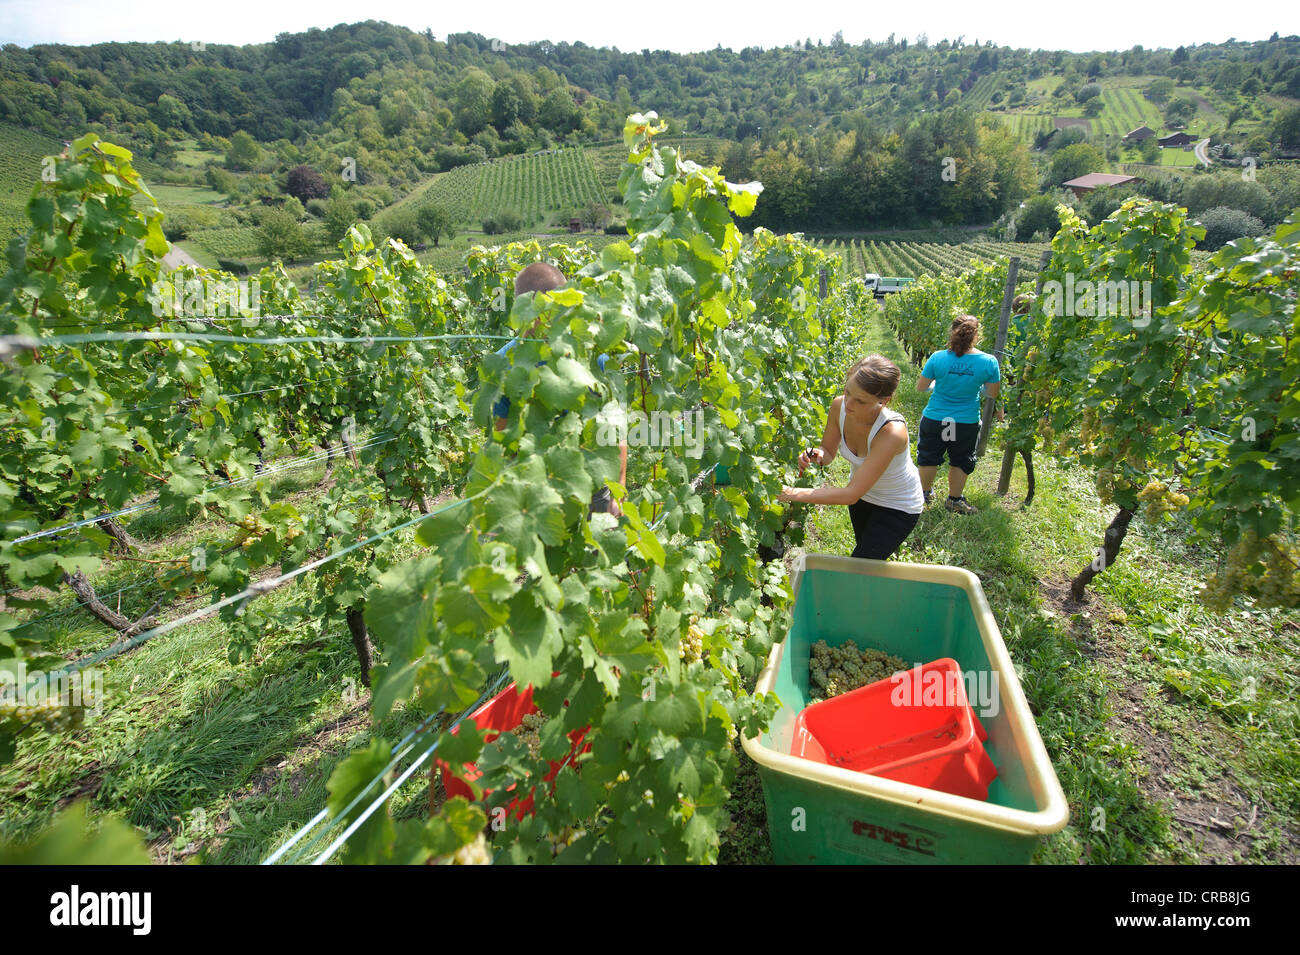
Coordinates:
(21, 152)
(534, 185)
(531, 186)
(915, 259)
(233, 243)
(1026, 125)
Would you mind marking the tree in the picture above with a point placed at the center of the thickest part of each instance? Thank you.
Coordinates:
(558, 113)
(473, 101)
(171, 113)
(1075, 161)
(403, 224)
(294, 207)
(221, 181)
(280, 237)
(594, 215)
(244, 153)
(435, 222)
(339, 217)
(1180, 111)
(505, 106)
(1150, 150)
(304, 182)
(1159, 91)
(1286, 127)
(1038, 215)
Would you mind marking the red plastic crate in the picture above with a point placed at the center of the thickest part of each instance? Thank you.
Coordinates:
(934, 746)
(504, 712)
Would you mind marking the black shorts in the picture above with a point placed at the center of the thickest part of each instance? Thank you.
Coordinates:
(879, 531)
(931, 447)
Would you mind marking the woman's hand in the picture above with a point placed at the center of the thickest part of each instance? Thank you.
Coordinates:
(790, 495)
(810, 456)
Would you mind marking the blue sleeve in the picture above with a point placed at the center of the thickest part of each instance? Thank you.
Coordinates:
(501, 408)
(929, 370)
(995, 371)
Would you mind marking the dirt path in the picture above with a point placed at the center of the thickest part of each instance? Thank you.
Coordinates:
(177, 257)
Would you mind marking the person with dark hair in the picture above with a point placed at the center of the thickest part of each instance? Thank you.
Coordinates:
(950, 423)
(884, 490)
(544, 277)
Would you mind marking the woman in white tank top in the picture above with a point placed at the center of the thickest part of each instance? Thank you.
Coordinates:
(884, 493)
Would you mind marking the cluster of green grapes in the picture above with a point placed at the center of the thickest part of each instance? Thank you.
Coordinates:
(529, 733)
(1277, 585)
(692, 647)
(1160, 500)
(561, 840)
(1106, 485)
(836, 670)
(49, 714)
(473, 853)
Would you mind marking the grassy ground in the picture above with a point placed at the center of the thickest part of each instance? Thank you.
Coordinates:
(1179, 725)
(212, 761)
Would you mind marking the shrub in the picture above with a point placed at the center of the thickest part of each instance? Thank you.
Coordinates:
(1222, 225)
(1038, 216)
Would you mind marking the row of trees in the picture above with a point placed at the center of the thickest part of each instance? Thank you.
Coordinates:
(946, 166)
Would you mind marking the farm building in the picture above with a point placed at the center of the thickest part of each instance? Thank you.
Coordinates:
(1176, 139)
(1098, 180)
(1137, 135)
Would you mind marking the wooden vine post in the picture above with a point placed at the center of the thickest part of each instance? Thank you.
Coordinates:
(986, 420)
(1009, 454)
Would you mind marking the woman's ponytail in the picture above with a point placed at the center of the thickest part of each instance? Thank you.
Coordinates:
(963, 335)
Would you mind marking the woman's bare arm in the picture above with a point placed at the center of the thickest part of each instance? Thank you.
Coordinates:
(890, 440)
(830, 438)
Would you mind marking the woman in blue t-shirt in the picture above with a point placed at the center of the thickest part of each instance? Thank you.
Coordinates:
(950, 423)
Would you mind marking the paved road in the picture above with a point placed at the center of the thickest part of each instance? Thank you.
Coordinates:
(1201, 155)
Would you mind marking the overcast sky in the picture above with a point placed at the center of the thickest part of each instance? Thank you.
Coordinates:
(683, 27)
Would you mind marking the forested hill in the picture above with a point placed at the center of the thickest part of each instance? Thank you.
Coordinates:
(492, 92)
(841, 135)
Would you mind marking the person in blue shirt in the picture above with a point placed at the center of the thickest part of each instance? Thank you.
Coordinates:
(957, 377)
(544, 277)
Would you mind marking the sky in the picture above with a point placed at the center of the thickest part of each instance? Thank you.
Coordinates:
(1099, 25)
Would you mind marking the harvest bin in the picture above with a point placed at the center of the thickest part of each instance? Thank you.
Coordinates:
(817, 813)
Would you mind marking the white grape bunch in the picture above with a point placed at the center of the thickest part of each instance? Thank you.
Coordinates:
(48, 714)
(529, 733)
(833, 671)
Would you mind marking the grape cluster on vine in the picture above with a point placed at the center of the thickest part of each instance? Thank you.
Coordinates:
(48, 714)
(1267, 570)
(529, 733)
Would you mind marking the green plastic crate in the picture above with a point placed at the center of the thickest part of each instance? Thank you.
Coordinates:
(825, 814)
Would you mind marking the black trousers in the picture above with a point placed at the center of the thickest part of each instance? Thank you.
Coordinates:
(879, 531)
